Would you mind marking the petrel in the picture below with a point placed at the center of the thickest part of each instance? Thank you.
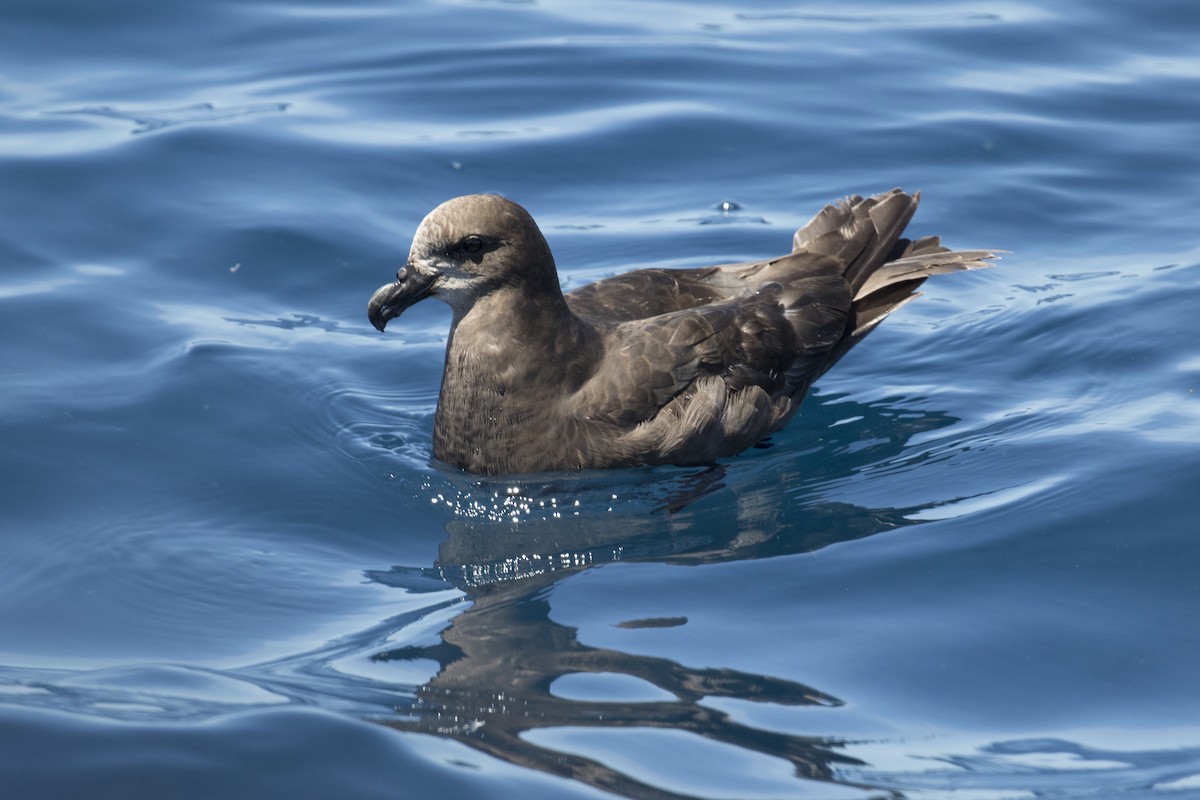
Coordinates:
(653, 366)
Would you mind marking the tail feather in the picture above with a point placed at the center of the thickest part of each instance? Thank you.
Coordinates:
(882, 269)
(921, 267)
(888, 218)
(862, 233)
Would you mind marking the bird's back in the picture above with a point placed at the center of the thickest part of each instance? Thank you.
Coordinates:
(849, 268)
(704, 362)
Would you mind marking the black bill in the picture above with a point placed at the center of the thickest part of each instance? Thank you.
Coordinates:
(390, 301)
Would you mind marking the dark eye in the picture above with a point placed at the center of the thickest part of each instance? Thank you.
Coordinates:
(472, 244)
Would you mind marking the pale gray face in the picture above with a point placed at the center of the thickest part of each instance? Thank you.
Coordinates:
(463, 249)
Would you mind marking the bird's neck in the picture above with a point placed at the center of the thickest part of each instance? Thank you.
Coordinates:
(512, 325)
(509, 356)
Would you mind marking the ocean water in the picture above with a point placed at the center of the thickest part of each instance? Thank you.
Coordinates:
(969, 570)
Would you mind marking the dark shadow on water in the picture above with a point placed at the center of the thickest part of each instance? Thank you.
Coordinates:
(498, 659)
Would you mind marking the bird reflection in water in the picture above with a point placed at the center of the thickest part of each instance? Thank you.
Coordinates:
(499, 658)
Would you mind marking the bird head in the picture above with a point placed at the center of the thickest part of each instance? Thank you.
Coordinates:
(464, 249)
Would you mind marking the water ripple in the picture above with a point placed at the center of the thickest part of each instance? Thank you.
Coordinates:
(155, 119)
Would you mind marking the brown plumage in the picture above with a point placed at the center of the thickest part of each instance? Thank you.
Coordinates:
(656, 366)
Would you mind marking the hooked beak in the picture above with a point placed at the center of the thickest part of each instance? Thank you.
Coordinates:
(390, 301)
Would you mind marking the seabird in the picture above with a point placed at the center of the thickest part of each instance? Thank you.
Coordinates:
(654, 366)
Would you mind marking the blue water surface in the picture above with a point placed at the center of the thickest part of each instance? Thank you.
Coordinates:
(229, 568)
